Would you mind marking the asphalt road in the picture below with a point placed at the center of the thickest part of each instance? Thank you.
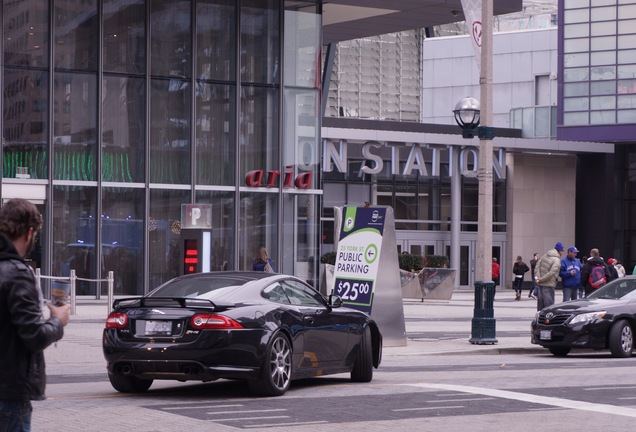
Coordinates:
(438, 382)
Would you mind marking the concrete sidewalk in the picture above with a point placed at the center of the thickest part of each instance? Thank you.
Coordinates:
(432, 327)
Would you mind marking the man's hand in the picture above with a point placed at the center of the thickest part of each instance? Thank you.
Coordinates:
(62, 312)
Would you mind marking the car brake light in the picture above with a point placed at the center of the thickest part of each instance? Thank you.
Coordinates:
(117, 320)
(213, 321)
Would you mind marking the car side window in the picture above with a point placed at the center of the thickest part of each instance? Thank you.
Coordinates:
(301, 295)
(275, 293)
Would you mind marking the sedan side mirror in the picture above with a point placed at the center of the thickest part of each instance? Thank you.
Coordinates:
(335, 301)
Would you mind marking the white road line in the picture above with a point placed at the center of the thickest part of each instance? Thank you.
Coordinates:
(248, 418)
(263, 425)
(200, 407)
(427, 408)
(545, 400)
(246, 411)
(627, 397)
(459, 400)
(609, 388)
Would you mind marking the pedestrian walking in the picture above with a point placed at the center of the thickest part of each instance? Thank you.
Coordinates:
(496, 271)
(519, 269)
(534, 287)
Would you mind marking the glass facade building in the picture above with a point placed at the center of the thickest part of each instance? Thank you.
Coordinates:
(117, 112)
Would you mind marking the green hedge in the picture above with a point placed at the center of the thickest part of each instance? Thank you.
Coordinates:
(407, 262)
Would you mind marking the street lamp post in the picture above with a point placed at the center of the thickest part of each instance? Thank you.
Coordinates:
(483, 323)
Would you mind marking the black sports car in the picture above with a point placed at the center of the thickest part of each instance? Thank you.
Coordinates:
(261, 327)
(605, 319)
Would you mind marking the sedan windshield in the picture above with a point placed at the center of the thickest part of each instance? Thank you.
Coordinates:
(617, 289)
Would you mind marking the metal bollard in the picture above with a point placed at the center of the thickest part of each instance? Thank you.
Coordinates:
(483, 322)
(73, 292)
(111, 288)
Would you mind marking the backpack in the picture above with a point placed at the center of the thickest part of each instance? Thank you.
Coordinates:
(597, 276)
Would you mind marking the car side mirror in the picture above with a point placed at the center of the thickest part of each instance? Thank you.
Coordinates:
(335, 301)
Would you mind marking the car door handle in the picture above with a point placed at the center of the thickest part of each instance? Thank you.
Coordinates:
(308, 319)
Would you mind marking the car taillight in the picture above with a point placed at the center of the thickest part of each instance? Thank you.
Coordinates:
(213, 321)
(117, 320)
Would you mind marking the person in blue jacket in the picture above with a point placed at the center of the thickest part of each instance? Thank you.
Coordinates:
(570, 274)
(263, 262)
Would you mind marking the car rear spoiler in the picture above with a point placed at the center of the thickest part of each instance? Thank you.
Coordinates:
(183, 302)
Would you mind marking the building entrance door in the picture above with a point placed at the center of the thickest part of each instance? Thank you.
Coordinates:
(37, 195)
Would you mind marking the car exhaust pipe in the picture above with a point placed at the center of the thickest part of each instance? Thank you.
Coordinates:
(123, 369)
(190, 370)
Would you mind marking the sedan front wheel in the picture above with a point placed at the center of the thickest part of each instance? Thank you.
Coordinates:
(621, 339)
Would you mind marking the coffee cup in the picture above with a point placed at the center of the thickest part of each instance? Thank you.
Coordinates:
(60, 291)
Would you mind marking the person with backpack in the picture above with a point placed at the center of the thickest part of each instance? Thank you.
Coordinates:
(547, 274)
(595, 273)
(611, 266)
(570, 274)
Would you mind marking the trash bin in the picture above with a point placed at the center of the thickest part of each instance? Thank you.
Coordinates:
(483, 323)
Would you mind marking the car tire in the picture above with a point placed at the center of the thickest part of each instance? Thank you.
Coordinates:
(276, 371)
(559, 352)
(621, 339)
(128, 383)
(363, 366)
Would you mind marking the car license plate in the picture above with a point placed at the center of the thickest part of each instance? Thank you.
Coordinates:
(158, 328)
(545, 335)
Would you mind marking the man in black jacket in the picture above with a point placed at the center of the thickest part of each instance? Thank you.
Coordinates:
(593, 261)
(24, 332)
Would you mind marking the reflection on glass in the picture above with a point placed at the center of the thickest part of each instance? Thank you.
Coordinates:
(576, 118)
(576, 89)
(74, 126)
(216, 39)
(302, 45)
(259, 41)
(258, 140)
(25, 124)
(170, 132)
(25, 28)
(258, 219)
(124, 36)
(76, 35)
(164, 230)
(122, 228)
(602, 117)
(74, 232)
(215, 131)
(576, 74)
(300, 236)
(301, 149)
(123, 129)
(170, 39)
(223, 234)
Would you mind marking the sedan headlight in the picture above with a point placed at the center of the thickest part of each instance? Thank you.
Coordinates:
(587, 317)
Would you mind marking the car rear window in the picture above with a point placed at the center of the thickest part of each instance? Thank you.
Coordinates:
(208, 288)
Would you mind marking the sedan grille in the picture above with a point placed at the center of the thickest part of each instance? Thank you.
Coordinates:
(553, 318)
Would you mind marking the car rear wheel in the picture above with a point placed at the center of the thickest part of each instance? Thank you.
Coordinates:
(277, 369)
(129, 384)
(621, 339)
(559, 352)
(363, 366)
